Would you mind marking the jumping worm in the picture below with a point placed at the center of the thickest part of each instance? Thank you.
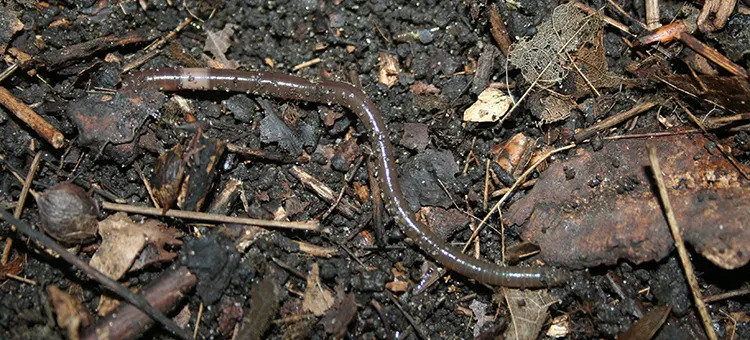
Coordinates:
(290, 87)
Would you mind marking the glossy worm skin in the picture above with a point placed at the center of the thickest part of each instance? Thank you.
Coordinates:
(290, 87)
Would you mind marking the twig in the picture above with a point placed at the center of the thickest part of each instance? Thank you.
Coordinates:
(652, 14)
(414, 323)
(163, 293)
(8, 71)
(503, 191)
(22, 279)
(718, 122)
(580, 73)
(200, 216)
(153, 49)
(386, 324)
(279, 157)
(614, 120)
(21, 202)
(306, 64)
(289, 268)
(727, 295)
(198, 320)
(134, 299)
(499, 31)
(712, 138)
(624, 13)
(345, 207)
(614, 23)
(680, 244)
(34, 120)
(147, 184)
(515, 186)
(711, 54)
(316, 250)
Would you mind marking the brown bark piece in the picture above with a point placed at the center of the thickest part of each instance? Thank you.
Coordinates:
(599, 207)
(102, 119)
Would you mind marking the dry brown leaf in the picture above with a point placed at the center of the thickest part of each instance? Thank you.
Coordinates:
(71, 315)
(388, 69)
(182, 318)
(400, 281)
(13, 267)
(218, 42)
(317, 299)
(421, 87)
(648, 325)
(559, 327)
(106, 305)
(123, 240)
(529, 309)
(491, 105)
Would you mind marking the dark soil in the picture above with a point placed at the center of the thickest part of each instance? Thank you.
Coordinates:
(600, 302)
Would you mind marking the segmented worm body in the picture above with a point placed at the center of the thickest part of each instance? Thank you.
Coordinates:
(290, 87)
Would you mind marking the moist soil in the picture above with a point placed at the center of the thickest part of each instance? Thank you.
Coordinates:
(440, 43)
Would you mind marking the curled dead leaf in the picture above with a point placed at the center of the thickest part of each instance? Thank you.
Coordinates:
(491, 105)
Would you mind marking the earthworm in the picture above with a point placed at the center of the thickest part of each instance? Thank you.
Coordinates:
(283, 86)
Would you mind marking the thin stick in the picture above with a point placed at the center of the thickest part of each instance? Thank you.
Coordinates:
(613, 120)
(727, 295)
(652, 14)
(21, 202)
(136, 300)
(712, 138)
(680, 244)
(8, 71)
(712, 54)
(32, 119)
(22, 279)
(200, 216)
(147, 184)
(306, 64)
(198, 320)
(518, 182)
(412, 321)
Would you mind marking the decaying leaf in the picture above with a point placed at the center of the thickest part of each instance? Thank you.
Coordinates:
(13, 267)
(341, 314)
(591, 66)
(218, 43)
(559, 327)
(540, 58)
(106, 305)
(264, 297)
(10, 23)
(550, 108)
(388, 69)
(479, 311)
(122, 241)
(491, 105)
(648, 325)
(317, 299)
(71, 315)
(514, 154)
(421, 87)
(529, 309)
(400, 281)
